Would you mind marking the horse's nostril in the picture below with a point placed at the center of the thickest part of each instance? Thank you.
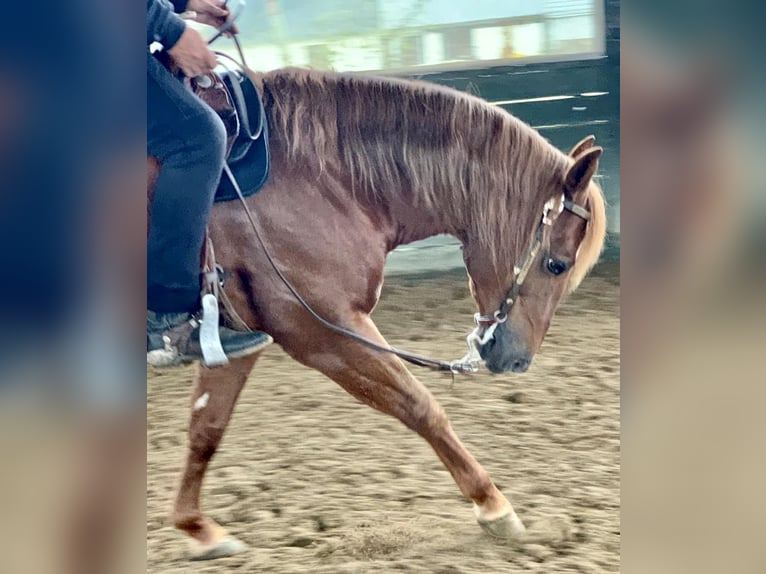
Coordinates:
(486, 348)
(520, 365)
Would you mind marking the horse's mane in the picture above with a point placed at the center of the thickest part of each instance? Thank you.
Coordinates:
(466, 160)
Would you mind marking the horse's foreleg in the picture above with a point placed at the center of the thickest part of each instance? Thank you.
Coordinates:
(216, 391)
(383, 382)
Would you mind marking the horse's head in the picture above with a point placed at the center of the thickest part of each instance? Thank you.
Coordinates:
(517, 299)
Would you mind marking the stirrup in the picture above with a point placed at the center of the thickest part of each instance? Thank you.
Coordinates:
(209, 335)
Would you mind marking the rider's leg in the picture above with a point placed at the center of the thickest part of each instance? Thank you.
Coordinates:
(189, 140)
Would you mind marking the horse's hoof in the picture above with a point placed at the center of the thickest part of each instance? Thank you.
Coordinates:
(505, 527)
(228, 546)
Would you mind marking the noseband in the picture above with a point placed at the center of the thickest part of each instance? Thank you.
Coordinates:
(488, 323)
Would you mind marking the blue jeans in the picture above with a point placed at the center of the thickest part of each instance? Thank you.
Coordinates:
(189, 139)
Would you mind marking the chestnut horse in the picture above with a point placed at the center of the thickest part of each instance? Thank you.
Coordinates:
(361, 165)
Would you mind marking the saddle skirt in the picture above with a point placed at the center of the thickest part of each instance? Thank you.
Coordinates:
(235, 98)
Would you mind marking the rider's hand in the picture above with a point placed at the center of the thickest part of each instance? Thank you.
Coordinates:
(211, 12)
(192, 54)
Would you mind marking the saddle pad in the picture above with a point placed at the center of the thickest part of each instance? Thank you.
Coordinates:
(249, 161)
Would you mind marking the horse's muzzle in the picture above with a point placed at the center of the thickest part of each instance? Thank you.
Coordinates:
(503, 353)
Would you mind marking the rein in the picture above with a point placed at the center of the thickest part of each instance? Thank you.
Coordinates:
(455, 367)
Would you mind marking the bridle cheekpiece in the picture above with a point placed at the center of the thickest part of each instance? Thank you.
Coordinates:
(486, 324)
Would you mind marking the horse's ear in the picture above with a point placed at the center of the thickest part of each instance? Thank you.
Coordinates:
(582, 170)
(582, 145)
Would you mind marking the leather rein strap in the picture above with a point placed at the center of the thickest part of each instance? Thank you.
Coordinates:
(454, 367)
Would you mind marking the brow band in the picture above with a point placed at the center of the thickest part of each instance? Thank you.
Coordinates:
(578, 210)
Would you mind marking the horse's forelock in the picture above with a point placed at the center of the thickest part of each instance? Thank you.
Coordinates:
(595, 235)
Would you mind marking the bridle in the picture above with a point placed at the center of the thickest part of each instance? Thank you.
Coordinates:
(520, 272)
(486, 324)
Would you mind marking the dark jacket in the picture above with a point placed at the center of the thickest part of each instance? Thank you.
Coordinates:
(163, 25)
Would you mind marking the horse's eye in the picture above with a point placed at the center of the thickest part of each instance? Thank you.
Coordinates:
(554, 266)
